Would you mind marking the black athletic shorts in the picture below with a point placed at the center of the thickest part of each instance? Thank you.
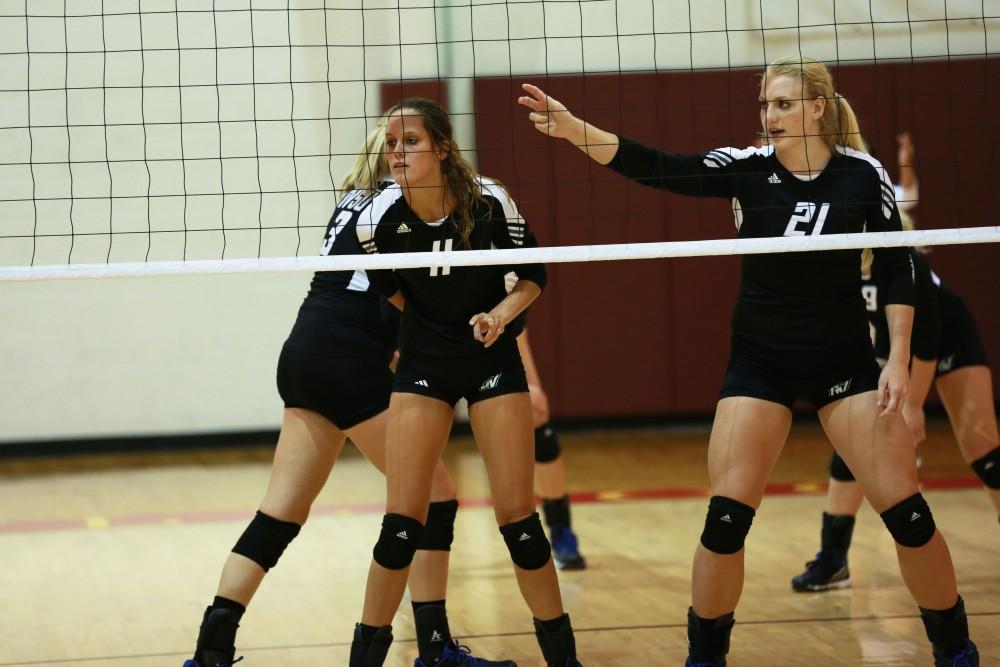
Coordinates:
(495, 372)
(784, 376)
(345, 390)
(961, 345)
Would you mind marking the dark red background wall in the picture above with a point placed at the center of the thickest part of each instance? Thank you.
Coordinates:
(637, 338)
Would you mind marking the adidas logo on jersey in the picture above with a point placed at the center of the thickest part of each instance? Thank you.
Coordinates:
(726, 518)
(914, 517)
(490, 383)
(524, 537)
(838, 389)
(403, 228)
(773, 179)
(422, 383)
(436, 637)
(402, 535)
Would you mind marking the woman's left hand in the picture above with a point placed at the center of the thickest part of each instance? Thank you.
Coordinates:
(486, 328)
(893, 385)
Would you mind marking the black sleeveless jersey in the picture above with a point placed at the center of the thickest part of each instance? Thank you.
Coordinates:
(342, 315)
(925, 342)
(808, 301)
(441, 300)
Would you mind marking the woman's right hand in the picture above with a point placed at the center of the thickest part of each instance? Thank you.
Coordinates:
(549, 115)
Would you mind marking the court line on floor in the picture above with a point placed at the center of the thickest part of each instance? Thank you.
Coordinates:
(339, 509)
(494, 635)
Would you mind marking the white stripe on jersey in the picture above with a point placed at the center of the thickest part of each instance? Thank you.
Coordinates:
(722, 157)
(370, 217)
(359, 281)
(515, 223)
(888, 191)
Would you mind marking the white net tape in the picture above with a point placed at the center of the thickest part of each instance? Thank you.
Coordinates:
(585, 253)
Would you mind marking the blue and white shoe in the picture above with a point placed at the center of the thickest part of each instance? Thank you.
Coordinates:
(195, 663)
(823, 574)
(566, 549)
(967, 657)
(457, 655)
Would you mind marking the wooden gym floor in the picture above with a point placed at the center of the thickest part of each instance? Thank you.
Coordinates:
(110, 560)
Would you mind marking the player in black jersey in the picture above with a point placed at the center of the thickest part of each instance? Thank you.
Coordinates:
(947, 352)
(334, 379)
(799, 332)
(457, 339)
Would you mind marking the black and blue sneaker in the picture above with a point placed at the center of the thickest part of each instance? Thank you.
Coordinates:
(827, 572)
(216, 639)
(566, 549)
(967, 657)
(458, 655)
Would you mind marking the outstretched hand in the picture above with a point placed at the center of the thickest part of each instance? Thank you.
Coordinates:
(549, 115)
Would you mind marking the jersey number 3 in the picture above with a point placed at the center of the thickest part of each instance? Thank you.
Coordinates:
(805, 215)
(443, 245)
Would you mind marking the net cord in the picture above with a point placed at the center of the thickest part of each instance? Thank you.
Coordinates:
(559, 254)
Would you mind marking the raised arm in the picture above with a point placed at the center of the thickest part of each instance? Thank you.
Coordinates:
(552, 118)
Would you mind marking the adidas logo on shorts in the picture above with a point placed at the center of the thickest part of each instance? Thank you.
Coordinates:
(402, 535)
(773, 179)
(422, 383)
(403, 228)
(524, 537)
(914, 517)
(436, 637)
(726, 518)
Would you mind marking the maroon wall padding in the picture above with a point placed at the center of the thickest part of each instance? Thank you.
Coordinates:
(391, 92)
(651, 337)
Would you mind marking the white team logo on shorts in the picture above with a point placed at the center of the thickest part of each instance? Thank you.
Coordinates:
(840, 388)
(491, 383)
(944, 365)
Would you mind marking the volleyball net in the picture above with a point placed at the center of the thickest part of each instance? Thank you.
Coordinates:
(174, 136)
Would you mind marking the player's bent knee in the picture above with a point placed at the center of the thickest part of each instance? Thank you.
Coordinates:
(529, 547)
(726, 525)
(546, 444)
(397, 542)
(910, 522)
(265, 539)
(839, 470)
(439, 531)
(988, 468)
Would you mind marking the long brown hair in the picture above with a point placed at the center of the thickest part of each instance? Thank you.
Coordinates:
(459, 176)
(839, 124)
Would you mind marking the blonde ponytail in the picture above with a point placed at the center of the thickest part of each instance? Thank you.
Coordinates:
(370, 167)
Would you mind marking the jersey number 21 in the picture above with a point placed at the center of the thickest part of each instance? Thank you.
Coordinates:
(805, 215)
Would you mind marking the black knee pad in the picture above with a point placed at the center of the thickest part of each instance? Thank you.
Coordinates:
(546, 444)
(910, 522)
(439, 531)
(988, 468)
(265, 539)
(839, 470)
(397, 542)
(726, 525)
(529, 547)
